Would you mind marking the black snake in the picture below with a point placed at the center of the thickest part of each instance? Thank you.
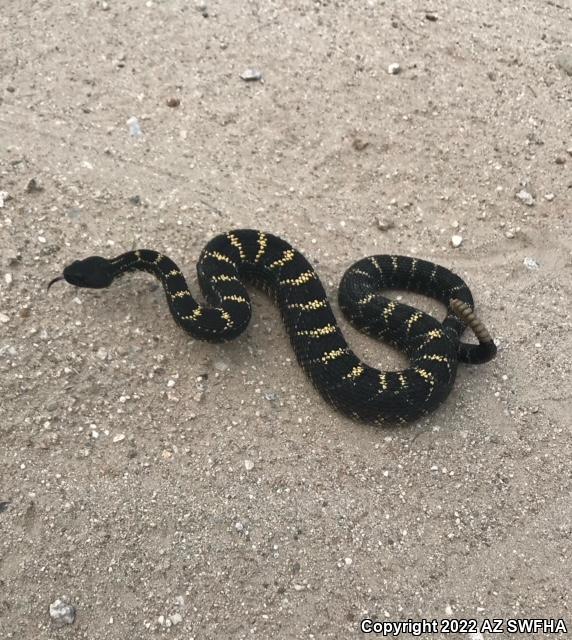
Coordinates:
(433, 348)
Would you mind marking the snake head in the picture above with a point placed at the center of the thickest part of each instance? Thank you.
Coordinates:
(93, 273)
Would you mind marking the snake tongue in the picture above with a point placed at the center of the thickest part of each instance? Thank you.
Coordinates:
(54, 281)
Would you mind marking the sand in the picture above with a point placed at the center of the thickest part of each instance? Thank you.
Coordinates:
(169, 487)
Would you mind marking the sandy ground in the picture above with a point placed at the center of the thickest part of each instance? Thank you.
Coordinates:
(169, 487)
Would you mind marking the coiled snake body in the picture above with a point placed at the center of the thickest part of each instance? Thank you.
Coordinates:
(433, 348)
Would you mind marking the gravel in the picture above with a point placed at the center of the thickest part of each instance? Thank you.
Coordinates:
(468, 508)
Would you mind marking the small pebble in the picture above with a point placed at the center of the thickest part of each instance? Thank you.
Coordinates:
(134, 127)
(509, 234)
(135, 200)
(248, 465)
(171, 383)
(62, 612)
(383, 224)
(119, 437)
(173, 102)
(203, 9)
(394, 68)
(560, 160)
(448, 610)
(3, 198)
(525, 197)
(456, 241)
(219, 365)
(176, 619)
(251, 75)
(8, 278)
(549, 196)
(120, 62)
(431, 17)
(33, 186)
(359, 145)
(530, 263)
(4, 318)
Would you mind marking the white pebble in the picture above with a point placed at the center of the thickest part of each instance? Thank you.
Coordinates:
(171, 383)
(62, 612)
(477, 635)
(251, 75)
(530, 263)
(525, 197)
(239, 526)
(456, 241)
(4, 318)
(8, 278)
(394, 68)
(448, 610)
(42, 239)
(248, 465)
(119, 437)
(549, 196)
(3, 198)
(134, 126)
(176, 619)
(348, 561)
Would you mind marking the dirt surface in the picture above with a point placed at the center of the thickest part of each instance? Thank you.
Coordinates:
(170, 487)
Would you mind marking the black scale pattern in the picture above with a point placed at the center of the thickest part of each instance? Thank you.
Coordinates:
(353, 387)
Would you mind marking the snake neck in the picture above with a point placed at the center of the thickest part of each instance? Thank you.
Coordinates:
(222, 319)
